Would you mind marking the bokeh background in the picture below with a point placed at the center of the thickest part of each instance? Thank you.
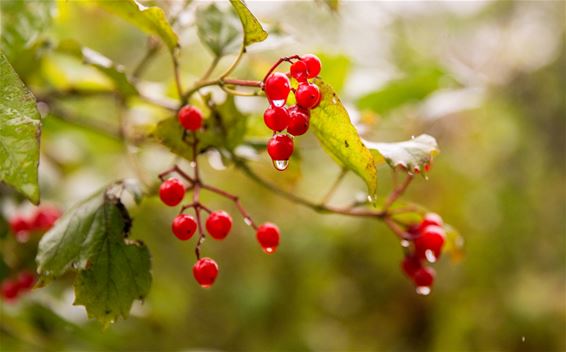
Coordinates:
(486, 78)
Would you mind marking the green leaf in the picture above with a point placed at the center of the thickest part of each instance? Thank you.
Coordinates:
(218, 30)
(411, 155)
(333, 129)
(151, 20)
(90, 57)
(172, 135)
(253, 31)
(20, 130)
(113, 270)
(397, 93)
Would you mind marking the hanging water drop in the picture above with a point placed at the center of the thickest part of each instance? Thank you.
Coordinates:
(370, 199)
(281, 164)
(405, 243)
(423, 290)
(430, 256)
(193, 164)
(278, 103)
(248, 221)
(269, 250)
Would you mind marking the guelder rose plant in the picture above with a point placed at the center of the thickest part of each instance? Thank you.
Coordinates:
(96, 231)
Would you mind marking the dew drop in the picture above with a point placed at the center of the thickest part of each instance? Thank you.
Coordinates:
(523, 338)
(334, 100)
(269, 250)
(423, 290)
(248, 221)
(278, 103)
(429, 254)
(425, 177)
(405, 244)
(370, 199)
(193, 164)
(281, 164)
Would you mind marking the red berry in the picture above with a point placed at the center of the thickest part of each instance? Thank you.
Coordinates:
(205, 271)
(424, 277)
(313, 64)
(25, 280)
(308, 95)
(298, 120)
(410, 265)
(280, 147)
(19, 224)
(299, 71)
(429, 244)
(219, 224)
(184, 226)
(9, 289)
(276, 118)
(44, 218)
(190, 117)
(172, 192)
(430, 219)
(268, 237)
(277, 88)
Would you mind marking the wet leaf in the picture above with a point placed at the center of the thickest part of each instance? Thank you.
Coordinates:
(151, 19)
(411, 155)
(19, 133)
(253, 31)
(218, 30)
(334, 130)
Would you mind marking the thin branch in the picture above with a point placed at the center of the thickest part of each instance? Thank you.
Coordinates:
(398, 192)
(334, 186)
(210, 69)
(101, 128)
(234, 64)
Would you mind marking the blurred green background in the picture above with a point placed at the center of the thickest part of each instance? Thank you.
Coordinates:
(486, 78)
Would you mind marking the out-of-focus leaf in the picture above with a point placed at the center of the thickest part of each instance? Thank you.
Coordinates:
(113, 71)
(333, 5)
(410, 89)
(218, 30)
(20, 129)
(253, 31)
(151, 20)
(412, 155)
(334, 130)
(454, 245)
(335, 70)
(91, 238)
(172, 135)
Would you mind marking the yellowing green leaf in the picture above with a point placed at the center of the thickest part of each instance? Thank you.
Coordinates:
(253, 31)
(332, 127)
(412, 154)
(20, 129)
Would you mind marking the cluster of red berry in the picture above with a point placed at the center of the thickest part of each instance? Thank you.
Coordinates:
(12, 288)
(41, 220)
(428, 238)
(296, 118)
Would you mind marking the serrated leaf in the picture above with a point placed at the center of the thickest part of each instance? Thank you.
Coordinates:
(412, 154)
(20, 130)
(114, 72)
(412, 88)
(334, 130)
(218, 30)
(151, 19)
(253, 31)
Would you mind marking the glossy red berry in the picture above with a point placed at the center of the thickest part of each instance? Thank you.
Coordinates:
(298, 120)
(424, 277)
(277, 88)
(205, 272)
(9, 289)
(280, 147)
(219, 224)
(172, 192)
(313, 65)
(299, 71)
(44, 218)
(307, 95)
(190, 117)
(19, 224)
(429, 244)
(410, 265)
(25, 280)
(184, 226)
(431, 219)
(268, 236)
(276, 118)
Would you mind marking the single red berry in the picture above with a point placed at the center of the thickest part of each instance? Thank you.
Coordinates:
(429, 244)
(184, 226)
(9, 289)
(298, 120)
(427, 167)
(19, 224)
(268, 236)
(190, 117)
(219, 224)
(410, 265)
(25, 280)
(276, 118)
(44, 218)
(205, 271)
(280, 147)
(277, 88)
(313, 64)
(308, 95)
(299, 71)
(431, 219)
(424, 277)
(172, 192)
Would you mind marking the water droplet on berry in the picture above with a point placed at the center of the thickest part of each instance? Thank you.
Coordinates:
(269, 250)
(281, 164)
(248, 221)
(405, 244)
(278, 103)
(429, 254)
(423, 290)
